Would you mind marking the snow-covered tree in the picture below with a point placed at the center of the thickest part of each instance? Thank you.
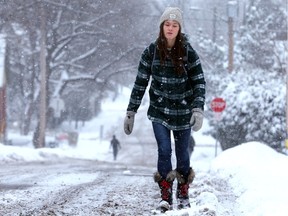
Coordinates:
(86, 45)
(255, 91)
(265, 22)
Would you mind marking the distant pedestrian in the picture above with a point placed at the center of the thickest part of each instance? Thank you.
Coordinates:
(191, 145)
(115, 144)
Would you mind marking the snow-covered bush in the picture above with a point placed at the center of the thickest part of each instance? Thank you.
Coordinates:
(255, 109)
(264, 25)
(255, 91)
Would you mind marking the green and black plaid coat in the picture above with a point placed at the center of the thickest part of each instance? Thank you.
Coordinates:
(172, 96)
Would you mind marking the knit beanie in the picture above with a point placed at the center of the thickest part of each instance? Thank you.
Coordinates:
(172, 13)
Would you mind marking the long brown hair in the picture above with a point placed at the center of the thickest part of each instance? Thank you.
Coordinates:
(177, 51)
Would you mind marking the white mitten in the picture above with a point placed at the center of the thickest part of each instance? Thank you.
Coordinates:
(129, 122)
(196, 120)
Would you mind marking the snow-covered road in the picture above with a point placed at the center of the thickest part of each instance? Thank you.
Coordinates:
(90, 187)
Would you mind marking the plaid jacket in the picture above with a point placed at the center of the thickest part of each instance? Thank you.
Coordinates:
(172, 96)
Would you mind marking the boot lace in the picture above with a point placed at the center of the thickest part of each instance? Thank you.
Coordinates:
(182, 191)
(166, 190)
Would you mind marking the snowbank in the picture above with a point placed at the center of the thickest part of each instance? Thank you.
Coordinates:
(259, 177)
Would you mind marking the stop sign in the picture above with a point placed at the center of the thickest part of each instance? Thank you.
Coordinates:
(218, 104)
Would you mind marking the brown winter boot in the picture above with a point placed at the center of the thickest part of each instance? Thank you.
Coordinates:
(165, 186)
(182, 193)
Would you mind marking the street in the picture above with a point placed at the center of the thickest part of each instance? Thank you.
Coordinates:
(73, 187)
(69, 186)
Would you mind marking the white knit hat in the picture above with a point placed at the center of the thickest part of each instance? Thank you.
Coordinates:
(172, 13)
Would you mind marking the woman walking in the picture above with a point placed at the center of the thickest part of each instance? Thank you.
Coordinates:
(177, 97)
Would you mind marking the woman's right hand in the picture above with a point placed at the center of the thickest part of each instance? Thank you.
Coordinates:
(129, 122)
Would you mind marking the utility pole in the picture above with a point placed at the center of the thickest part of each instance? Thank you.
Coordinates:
(231, 44)
(286, 53)
(286, 140)
(232, 12)
(43, 93)
(214, 24)
(3, 59)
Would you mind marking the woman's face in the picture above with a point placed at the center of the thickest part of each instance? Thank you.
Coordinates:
(171, 29)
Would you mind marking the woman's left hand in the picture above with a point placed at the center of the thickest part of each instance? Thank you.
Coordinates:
(196, 120)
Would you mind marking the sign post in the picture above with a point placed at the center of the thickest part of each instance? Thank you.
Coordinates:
(2, 90)
(217, 105)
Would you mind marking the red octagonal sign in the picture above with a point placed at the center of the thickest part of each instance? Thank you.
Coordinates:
(218, 104)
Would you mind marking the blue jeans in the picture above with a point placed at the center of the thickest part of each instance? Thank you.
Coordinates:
(163, 138)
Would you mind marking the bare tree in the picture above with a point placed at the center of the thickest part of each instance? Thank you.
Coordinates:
(87, 42)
